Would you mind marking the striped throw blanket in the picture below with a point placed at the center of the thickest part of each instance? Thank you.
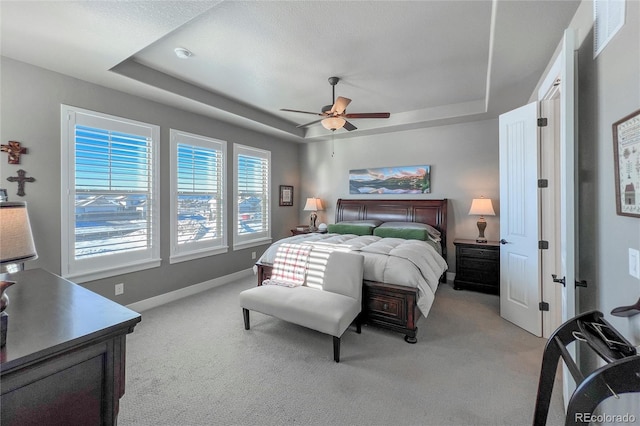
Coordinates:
(289, 265)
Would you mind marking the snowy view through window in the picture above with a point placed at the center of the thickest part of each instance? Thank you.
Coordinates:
(113, 190)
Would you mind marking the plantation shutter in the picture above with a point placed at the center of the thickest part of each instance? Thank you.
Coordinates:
(110, 207)
(199, 204)
(252, 195)
(113, 192)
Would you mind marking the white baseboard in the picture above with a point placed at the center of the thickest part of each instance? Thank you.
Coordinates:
(160, 300)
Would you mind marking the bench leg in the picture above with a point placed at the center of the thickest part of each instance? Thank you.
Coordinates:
(336, 349)
(245, 314)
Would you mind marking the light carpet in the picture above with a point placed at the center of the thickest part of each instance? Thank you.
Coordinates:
(191, 362)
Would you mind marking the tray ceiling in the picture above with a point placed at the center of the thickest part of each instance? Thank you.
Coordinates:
(426, 62)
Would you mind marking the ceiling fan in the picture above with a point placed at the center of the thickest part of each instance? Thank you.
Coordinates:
(334, 116)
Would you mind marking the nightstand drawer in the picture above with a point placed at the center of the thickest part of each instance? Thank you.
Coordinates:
(475, 263)
(481, 253)
(479, 276)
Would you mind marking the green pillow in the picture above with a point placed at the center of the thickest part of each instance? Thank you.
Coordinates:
(406, 233)
(347, 228)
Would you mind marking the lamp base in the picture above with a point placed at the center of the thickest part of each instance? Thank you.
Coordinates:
(4, 320)
(312, 222)
(4, 317)
(482, 225)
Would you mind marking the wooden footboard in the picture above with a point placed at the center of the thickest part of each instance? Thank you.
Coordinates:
(388, 306)
(393, 307)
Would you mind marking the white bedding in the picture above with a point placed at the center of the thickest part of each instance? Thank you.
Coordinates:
(410, 263)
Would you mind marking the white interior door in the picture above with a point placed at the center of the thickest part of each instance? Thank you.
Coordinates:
(520, 291)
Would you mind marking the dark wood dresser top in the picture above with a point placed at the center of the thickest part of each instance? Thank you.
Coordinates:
(49, 314)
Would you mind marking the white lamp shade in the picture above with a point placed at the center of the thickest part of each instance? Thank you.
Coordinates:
(482, 207)
(16, 240)
(333, 123)
(313, 204)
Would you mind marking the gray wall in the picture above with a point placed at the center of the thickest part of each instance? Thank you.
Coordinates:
(464, 165)
(608, 90)
(31, 99)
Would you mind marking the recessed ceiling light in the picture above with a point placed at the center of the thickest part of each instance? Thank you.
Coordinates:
(182, 53)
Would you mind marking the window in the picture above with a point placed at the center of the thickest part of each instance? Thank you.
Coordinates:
(197, 196)
(251, 215)
(110, 204)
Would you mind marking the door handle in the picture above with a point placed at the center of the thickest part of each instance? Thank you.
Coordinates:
(558, 280)
(503, 241)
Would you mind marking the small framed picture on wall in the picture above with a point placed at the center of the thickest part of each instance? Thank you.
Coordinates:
(626, 148)
(286, 195)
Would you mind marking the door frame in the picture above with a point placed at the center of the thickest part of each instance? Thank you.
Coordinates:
(549, 201)
(554, 87)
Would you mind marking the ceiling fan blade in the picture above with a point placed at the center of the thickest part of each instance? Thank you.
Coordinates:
(310, 123)
(340, 104)
(348, 126)
(368, 115)
(303, 112)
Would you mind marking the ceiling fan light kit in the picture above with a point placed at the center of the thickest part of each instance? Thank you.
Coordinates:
(333, 123)
(336, 114)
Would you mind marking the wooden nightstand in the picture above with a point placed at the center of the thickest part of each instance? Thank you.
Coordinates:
(477, 266)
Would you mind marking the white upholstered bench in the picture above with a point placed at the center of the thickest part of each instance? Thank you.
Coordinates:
(330, 309)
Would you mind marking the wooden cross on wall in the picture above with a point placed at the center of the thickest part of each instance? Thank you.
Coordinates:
(21, 181)
(14, 150)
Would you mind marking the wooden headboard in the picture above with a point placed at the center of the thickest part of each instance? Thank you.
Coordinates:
(432, 212)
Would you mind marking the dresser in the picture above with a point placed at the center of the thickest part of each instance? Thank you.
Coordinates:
(477, 266)
(64, 360)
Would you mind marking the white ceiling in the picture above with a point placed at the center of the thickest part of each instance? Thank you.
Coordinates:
(426, 62)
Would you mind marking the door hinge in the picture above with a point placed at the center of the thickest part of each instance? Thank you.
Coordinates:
(543, 245)
(558, 280)
(543, 183)
(544, 306)
(542, 122)
(581, 283)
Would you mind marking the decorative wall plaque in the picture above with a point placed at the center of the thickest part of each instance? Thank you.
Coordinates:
(21, 179)
(14, 150)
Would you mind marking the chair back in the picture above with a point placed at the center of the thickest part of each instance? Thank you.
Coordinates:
(343, 274)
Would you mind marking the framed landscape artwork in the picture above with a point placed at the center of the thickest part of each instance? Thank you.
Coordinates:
(626, 148)
(391, 180)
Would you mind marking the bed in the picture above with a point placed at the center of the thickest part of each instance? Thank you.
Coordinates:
(396, 299)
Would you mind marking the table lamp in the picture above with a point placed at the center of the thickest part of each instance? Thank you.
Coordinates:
(16, 247)
(313, 205)
(481, 207)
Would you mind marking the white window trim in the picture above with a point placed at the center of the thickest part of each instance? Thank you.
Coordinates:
(99, 267)
(241, 242)
(182, 255)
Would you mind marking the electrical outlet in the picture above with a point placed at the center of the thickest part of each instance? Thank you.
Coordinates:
(634, 263)
(253, 255)
(119, 289)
